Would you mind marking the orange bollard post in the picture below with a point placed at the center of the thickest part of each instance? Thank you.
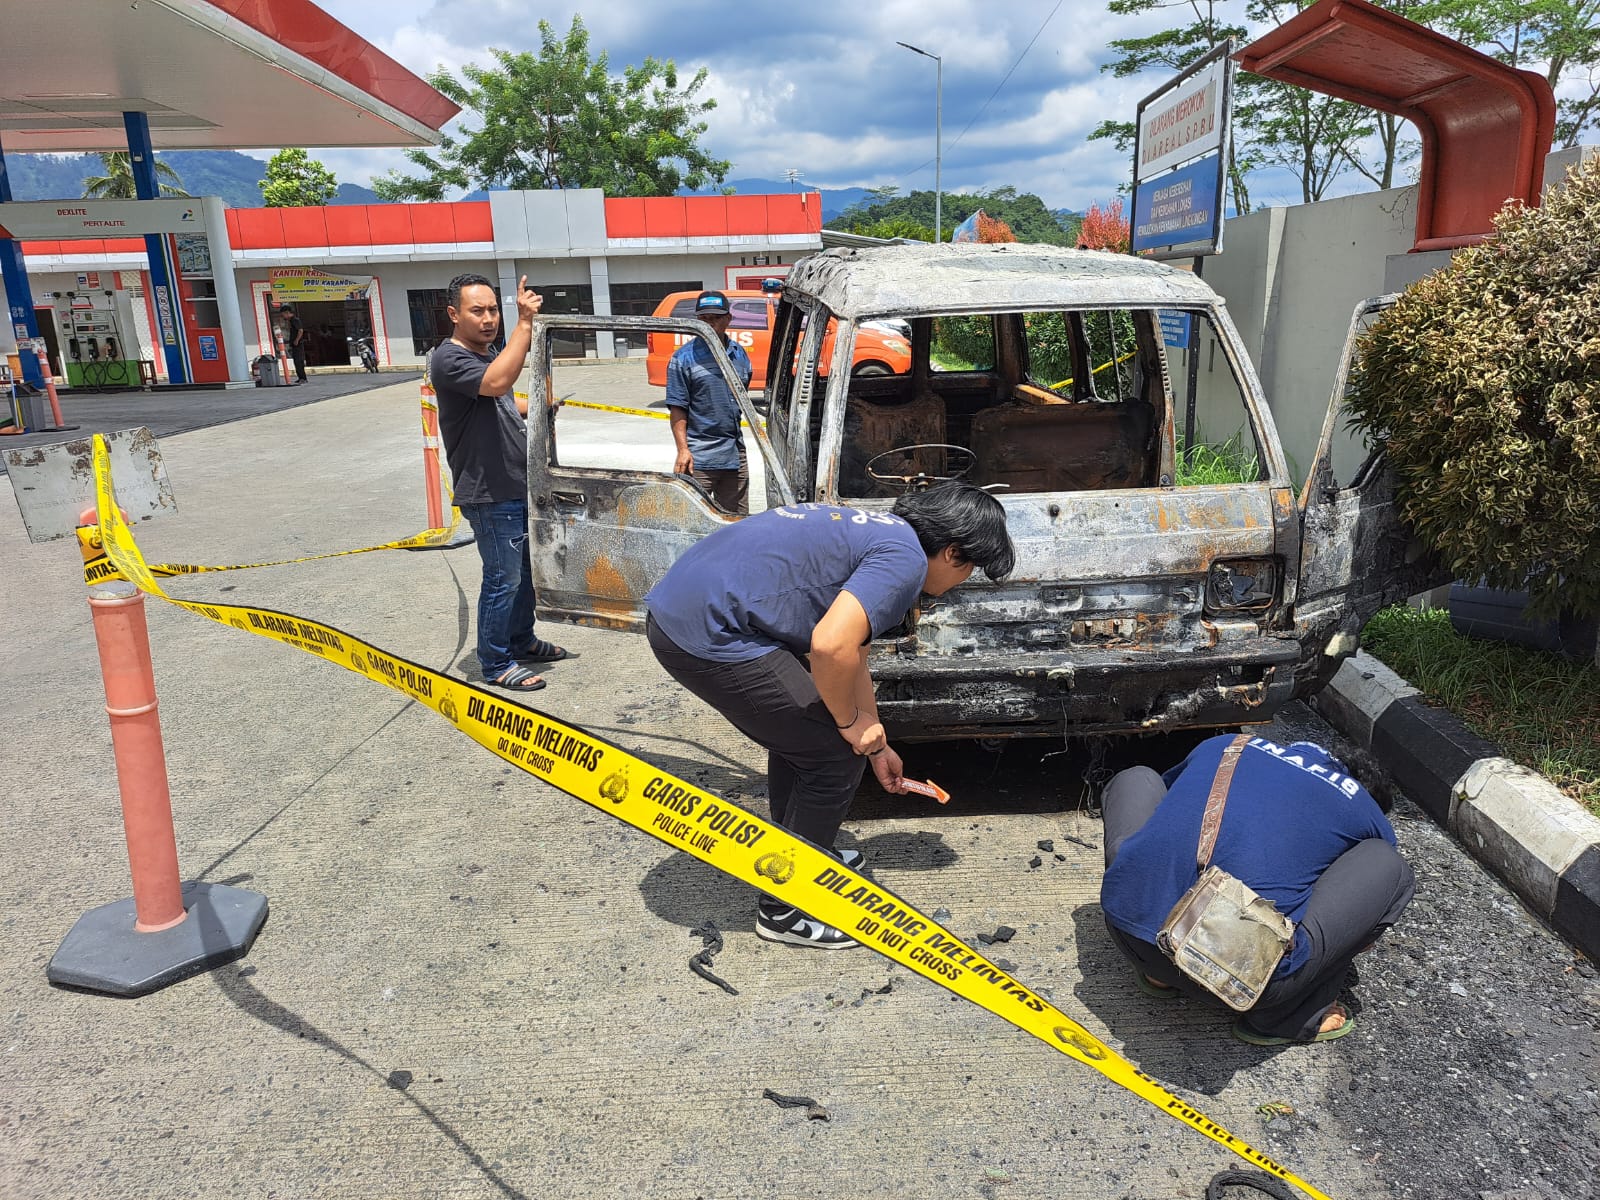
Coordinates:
(283, 362)
(168, 930)
(123, 639)
(430, 457)
(50, 390)
(433, 476)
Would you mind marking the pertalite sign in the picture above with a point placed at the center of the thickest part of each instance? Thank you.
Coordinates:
(49, 219)
(1183, 124)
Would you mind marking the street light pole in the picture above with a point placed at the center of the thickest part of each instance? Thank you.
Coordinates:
(938, 139)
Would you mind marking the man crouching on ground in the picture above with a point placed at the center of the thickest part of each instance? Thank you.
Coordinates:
(769, 620)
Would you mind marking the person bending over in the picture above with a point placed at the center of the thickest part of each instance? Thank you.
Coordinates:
(769, 619)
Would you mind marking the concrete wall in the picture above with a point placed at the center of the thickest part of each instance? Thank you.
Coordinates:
(1292, 277)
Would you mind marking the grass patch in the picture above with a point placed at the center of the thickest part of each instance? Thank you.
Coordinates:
(1227, 462)
(1541, 710)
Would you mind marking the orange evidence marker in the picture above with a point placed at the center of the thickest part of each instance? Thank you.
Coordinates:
(930, 789)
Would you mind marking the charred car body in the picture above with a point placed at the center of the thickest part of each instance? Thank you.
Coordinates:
(1147, 594)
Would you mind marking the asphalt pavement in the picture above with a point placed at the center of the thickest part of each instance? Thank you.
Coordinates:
(471, 985)
(168, 411)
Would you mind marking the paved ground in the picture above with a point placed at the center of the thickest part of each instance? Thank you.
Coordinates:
(167, 411)
(472, 986)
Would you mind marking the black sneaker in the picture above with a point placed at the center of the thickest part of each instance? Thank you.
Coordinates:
(851, 858)
(777, 923)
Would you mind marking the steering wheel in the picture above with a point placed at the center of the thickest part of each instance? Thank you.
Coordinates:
(921, 480)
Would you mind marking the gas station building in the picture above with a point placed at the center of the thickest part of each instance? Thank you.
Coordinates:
(380, 271)
(183, 291)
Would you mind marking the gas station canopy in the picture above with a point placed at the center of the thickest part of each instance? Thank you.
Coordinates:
(209, 74)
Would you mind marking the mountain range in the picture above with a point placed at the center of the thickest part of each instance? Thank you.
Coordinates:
(225, 173)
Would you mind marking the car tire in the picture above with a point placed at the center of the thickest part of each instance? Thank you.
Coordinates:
(872, 368)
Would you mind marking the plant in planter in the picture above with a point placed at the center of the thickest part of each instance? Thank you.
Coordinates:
(1483, 385)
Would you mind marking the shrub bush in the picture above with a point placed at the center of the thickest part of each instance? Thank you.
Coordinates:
(1483, 384)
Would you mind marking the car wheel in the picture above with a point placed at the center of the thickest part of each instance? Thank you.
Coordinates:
(872, 368)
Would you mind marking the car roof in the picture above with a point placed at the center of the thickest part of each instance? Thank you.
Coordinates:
(913, 278)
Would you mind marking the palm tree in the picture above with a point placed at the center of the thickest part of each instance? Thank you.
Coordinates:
(117, 182)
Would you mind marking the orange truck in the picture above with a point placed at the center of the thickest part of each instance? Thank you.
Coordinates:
(879, 351)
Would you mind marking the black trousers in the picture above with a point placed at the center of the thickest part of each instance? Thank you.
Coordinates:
(299, 352)
(812, 772)
(1360, 895)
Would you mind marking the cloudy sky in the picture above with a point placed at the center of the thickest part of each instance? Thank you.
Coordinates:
(822, 88)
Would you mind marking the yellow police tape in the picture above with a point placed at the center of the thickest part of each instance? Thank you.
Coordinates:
(616, 408)
(735, 841)
(100, 568)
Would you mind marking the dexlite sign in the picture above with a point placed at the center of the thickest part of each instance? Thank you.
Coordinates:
(48, 219)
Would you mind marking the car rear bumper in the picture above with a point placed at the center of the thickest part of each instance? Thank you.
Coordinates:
(1087, 691)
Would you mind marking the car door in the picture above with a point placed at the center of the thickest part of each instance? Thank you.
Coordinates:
(1356, 555)
(603, 535)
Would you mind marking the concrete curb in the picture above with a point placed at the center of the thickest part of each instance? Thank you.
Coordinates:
(1541, 843)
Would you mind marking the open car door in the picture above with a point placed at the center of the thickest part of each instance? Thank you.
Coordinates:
(1356, 555)
(606, 514)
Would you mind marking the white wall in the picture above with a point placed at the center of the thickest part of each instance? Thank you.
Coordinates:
(1292, 277)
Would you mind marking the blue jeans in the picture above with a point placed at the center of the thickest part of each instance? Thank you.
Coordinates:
(505, 600)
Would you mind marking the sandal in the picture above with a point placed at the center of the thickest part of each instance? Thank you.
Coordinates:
(542, 651)
(518, 679)
(1244, 1033)
(1151, 988)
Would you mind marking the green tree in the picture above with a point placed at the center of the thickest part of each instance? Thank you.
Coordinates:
(894, 227)
(1024, 212)
(1172, 50)
(561, 119)
(117, 182)
(296, 180)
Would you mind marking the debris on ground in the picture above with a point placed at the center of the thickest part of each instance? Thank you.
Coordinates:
(1047, 846)
(1003, 934)
(1035, 863)
(814, 1111)
(700, 964)
(868, 992)
(1078, 841)
(1275, 1108)
(400, 1080)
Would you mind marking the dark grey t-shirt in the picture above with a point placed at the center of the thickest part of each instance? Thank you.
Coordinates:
(485, 437)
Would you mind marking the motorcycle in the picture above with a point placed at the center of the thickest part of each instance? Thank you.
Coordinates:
(368, 356)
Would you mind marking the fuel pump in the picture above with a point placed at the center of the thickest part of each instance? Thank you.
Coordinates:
(94, 326)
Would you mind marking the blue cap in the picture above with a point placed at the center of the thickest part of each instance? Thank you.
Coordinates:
(711, 302)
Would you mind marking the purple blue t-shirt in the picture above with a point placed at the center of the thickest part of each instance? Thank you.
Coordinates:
(764, 582)
(1291, 811)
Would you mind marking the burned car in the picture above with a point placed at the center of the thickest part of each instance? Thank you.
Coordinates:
(1169, 573)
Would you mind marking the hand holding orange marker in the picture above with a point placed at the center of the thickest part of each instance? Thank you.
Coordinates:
(930, 789)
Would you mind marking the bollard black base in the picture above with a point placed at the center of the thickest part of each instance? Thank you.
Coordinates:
(104, 953)
(463, 537)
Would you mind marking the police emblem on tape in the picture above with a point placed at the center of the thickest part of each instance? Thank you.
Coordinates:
(614, 787)
(777, 867)
(447, 708)
(1080, 1041)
